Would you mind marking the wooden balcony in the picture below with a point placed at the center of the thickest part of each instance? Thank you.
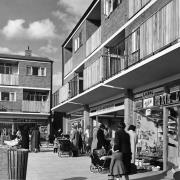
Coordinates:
(64, 93)
(68, 66)
(93, 42)
(136, 5)
(93, 74)
(9, 79)
(36, 106)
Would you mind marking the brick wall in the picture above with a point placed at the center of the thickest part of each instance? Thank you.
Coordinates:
(34, 81)
(12, 106)
(114, 21)
(80, 54)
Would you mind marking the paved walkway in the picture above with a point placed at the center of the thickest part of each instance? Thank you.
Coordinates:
(48, 166)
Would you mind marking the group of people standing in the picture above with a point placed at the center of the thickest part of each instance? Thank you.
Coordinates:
(26, 139)
(123, 147)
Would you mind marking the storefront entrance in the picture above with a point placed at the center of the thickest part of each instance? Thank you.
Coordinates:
(159, 135)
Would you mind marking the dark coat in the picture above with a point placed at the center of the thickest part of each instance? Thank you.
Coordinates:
(122, 141)
(35, 140)
(101, 141)
(25, 139)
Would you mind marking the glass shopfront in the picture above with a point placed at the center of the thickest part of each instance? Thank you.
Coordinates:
(152, 135)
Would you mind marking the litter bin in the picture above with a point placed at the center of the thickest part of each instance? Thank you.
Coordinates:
(3, 163)
(17, 163)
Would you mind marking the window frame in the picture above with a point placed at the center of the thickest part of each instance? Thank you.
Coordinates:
(9, 97)
(39, 71)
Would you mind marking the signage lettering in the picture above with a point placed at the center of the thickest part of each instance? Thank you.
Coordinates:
(148, 102)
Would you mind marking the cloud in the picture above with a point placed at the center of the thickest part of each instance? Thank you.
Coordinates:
(68, 21)
(5, 50)
(76, 7)
(57, 81)
(43, 29)
(70, 11)
(49, 48)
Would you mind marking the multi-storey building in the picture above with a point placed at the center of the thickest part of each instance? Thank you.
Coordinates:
(25, 91)
(121, 62)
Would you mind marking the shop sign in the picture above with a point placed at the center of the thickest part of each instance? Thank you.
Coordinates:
(166, 99)
(148, 102)
(148, 112)
(139, 104)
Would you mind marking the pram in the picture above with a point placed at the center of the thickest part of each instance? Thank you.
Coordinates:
(98, 165)
(64, 147)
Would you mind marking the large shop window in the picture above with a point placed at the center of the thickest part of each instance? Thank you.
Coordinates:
(110, 5)
(7, 96)
(36, 71)
(78, 42)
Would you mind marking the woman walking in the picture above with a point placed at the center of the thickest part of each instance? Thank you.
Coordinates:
(121, 157)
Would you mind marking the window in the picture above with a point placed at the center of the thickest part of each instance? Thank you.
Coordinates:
(12, 96)
(8, 96)
(36, 71)
(28, 70)
(42, 71)
(78, 42)
(110, 6)
(5, 69)
(135, 41)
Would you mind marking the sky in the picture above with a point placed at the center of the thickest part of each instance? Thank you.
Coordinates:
(41, 24)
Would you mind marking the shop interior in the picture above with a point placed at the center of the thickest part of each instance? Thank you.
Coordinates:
(150, 138)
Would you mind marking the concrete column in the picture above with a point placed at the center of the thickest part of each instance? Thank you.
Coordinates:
(178, 132)
(90, 127)
(65, 125)
(12, 129)
(129, 108)
(86, 116)
(165, 138)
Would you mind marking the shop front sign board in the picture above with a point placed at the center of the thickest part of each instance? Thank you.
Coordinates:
(149, 102)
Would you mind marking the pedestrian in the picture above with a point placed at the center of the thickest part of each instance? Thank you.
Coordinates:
(133, 141)
(87, 141)
(74, 138)
(35, 140)
(55, 146)
(101, 141)
(25, 137)
(121, 155)
(80, 145)
(94, 140)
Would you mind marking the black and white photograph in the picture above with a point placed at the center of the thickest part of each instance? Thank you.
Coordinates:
(89, 89)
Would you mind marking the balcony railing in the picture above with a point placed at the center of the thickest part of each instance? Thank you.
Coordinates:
(68, 66)
(36, 106)
(9, 79)
(75, 86)
(93, 42)
(160, 31)
(93, 74)
(64, 93)
(55, 98)
(136, 5)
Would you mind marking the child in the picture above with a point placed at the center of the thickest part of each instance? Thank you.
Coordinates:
(55, 145)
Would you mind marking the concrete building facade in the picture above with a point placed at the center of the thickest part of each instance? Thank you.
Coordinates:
(120, 63)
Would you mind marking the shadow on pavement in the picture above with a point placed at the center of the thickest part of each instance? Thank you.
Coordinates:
(76, 178)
